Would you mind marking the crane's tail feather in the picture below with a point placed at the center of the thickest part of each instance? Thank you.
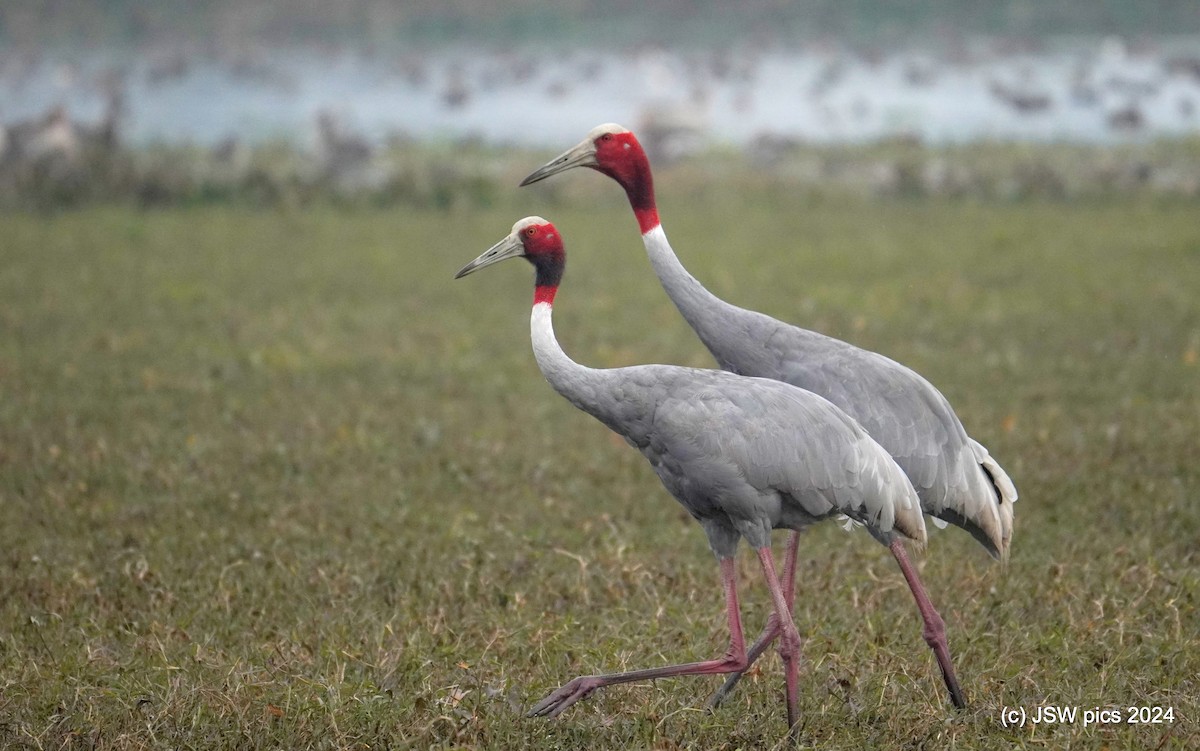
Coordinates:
(911, 524)
(982, 504)
(908, 519)
(1003, 494)
(1006, 495)
(992, 543)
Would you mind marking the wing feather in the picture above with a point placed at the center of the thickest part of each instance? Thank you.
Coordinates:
(794, 448)
(913, 422)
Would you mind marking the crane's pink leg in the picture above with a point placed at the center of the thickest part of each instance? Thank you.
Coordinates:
(789, 645)
(733, 660)
(935, 628)
(789, 568)
(771, 631)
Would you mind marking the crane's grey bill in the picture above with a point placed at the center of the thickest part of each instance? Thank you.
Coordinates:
(580, 155)
(509, 247)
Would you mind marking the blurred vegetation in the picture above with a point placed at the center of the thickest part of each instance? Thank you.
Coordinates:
(270, 175)
(471, 174)
(387, 22)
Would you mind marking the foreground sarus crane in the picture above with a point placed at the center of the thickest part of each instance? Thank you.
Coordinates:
(957, 480)
(743, 455)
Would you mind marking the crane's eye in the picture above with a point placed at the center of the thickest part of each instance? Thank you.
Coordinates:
(606, 137)
(531, 231)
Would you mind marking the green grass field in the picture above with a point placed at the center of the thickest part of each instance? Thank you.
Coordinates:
(275, 480)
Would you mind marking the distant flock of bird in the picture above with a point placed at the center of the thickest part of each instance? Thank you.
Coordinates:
(57, 147)
(676, 96)
(678, 100)
(795, 428)
(54, 138)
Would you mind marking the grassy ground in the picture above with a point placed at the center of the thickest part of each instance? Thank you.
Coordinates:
(274, 480)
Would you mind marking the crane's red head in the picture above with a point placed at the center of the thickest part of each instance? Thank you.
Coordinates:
(615, 151)
(536, 240)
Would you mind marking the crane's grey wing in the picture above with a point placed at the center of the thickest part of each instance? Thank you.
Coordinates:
(915, 423)
(754, 444)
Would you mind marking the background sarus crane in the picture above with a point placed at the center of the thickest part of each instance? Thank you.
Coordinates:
(957, 480)
(743, 455)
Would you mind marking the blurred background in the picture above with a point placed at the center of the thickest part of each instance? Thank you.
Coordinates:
(289, 99)
(271, 478)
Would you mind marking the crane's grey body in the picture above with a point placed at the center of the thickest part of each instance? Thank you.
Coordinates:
(955, 477)
(743, 455)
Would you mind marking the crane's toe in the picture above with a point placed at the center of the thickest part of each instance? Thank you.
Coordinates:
(956, 693)
(562, 698)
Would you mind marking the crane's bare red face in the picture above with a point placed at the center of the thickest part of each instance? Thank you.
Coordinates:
(614, 150)
(541, 241)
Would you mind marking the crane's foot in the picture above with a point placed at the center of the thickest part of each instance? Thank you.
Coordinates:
(956, 694)
(563, 697)
(951, 680)
(794, 733)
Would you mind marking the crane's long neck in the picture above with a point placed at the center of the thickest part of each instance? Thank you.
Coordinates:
(705, 312)
(578, 384)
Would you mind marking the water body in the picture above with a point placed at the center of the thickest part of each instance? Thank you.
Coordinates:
(1093, 91)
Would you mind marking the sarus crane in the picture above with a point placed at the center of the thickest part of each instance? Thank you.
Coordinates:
(956, 478)
(743, 455)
